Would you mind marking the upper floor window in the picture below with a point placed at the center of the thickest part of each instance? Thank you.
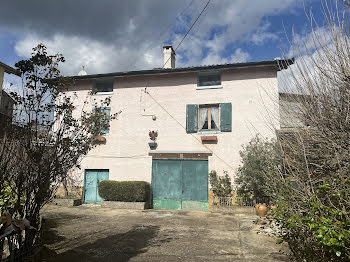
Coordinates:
(209, 79)
(209, 117)
(103, 86)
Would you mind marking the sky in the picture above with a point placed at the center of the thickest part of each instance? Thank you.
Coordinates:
(113, 35)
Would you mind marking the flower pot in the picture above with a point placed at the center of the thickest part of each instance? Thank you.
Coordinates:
(100, 139)
(152, 145)
(261, 210)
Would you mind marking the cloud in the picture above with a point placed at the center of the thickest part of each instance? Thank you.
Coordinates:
(312, 49)
(96, 56)
(237, 57)
(109, 36)
(261, 34)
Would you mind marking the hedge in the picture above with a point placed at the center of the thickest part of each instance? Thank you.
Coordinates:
(125, 191)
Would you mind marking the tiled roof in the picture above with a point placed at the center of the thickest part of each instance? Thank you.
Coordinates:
(278, 64)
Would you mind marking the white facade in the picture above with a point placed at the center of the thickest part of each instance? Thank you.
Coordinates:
(252, 91)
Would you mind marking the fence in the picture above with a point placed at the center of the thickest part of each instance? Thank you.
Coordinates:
(226, 202)
(16, 246)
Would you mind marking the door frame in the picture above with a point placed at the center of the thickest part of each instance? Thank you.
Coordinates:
(92, 169)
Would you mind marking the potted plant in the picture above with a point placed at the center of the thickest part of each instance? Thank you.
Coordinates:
(153, 136)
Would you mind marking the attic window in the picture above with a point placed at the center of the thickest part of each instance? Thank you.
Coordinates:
(209, 79)
(103, 86)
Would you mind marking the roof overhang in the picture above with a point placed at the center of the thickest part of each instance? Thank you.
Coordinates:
(9, 70)
(276, 64)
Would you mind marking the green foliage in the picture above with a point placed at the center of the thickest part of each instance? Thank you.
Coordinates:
(49, 135)
(126, 191)
(315, 229)
(220, 185)
(259, 162)
(7, 198)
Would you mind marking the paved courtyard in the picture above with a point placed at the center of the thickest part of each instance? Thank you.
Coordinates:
(92, 233)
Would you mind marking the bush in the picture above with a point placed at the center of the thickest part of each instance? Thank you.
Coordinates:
(221, 186)
(126, 191)
(259, 162)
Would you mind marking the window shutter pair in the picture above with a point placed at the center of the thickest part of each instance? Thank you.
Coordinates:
(225, 118)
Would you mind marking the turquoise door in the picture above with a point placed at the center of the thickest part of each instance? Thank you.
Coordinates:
(92, 178)
(180, 184)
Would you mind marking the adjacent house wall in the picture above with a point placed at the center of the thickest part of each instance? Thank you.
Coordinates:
(253, 93)
(290, 109)
(6, 105)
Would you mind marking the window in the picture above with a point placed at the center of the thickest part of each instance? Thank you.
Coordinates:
(103, 86)
(107, 111)
(210, 79)
(209, 117)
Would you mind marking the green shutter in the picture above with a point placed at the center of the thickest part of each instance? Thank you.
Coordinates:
(226, 117)
(107, 111)
(191, 118)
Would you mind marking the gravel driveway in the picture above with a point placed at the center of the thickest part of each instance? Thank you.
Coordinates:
(92, 233)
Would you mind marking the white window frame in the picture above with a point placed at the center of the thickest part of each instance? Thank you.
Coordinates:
(206, 73)
(104, 92)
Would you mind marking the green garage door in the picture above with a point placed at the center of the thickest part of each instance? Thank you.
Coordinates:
(92, 178)
(180, 184)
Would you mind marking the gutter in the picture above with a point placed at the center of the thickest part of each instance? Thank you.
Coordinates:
(278, 64)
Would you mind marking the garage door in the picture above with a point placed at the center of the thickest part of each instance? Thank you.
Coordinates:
(180, 184)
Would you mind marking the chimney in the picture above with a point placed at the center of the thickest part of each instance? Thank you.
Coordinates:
(169, 56)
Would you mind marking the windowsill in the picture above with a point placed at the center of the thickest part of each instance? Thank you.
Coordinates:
(208, 87)
(104, 93)
(209, 132)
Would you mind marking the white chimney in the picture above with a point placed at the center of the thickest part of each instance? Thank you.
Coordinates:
(169, 56)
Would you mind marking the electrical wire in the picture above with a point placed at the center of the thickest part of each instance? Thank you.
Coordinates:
(189, 30)
(133, 157)
(189, 133)
(184, 37)
(160, 35)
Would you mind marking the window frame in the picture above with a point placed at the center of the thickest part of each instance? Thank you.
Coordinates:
(209, 107)
(103, 108)
(101, 80)
(207, 73)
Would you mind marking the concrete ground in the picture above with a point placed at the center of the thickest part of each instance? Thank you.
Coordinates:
(92, 233)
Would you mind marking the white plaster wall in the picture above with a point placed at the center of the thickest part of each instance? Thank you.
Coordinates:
(253, 93)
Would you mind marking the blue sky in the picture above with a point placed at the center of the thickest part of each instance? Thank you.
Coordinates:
(108, 36)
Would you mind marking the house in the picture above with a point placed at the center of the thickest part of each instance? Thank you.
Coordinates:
(202, 116)
(6, 101)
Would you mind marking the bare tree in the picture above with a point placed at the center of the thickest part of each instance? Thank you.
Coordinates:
(313, 186)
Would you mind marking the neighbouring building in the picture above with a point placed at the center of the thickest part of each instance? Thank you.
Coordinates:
(202, 116)
(6, 101)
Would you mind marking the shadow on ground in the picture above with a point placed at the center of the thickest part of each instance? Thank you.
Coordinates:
(119, 247)
(50, 234)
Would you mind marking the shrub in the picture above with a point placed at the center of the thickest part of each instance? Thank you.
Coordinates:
(8, 199)
(126, 191)
(221, 186)
(259, 163)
